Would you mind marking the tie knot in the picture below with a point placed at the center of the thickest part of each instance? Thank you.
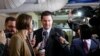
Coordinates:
(45, 33)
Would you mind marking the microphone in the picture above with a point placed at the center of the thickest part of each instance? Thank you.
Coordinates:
(61, 39)
(44, 36)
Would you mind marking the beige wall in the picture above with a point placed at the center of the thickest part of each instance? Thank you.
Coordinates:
(2, 20)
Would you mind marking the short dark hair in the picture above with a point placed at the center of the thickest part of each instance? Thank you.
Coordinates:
(45, 13)
(10, 19)
(23, 21)
(85, 31)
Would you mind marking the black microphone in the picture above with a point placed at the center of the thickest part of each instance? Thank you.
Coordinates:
(44, 36)
(57, 37)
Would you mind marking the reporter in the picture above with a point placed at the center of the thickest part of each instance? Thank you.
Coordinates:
(20, 45)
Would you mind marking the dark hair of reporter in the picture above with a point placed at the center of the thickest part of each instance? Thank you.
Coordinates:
(23, 21)
(45, 13)
(9, 19)
(85, 31)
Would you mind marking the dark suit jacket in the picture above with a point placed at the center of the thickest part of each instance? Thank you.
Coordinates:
(53, 46)
(77, 48)
(1, 49)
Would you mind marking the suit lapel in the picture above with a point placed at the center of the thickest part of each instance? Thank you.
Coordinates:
(49, 40)
(51, 32)
(50, 36)
(93, 46)
(81, 47)
(40, 34)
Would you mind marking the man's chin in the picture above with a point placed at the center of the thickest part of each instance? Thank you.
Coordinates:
(47, 28)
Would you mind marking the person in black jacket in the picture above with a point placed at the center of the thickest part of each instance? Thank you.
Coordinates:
(85, 45)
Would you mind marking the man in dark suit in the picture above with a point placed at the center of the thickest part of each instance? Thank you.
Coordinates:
(55, 42)
(85, 45)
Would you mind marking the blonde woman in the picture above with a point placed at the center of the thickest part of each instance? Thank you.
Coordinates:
(19, 45)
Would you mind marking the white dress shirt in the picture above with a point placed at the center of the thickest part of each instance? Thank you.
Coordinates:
(48, 30)
(88, 42)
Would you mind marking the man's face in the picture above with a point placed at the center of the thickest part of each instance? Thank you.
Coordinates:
(11, 26)
(47, 21)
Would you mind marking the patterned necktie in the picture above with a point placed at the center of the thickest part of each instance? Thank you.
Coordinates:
(45, 37)
(45, 34)
(85, 45)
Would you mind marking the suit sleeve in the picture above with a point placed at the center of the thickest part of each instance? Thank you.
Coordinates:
(72, 49)
(36, 33)
(1, 49)
(15, 46)
(64, 46)
(59, 32)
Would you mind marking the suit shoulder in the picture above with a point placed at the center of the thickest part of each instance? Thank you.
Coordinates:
(38, 30)
(57, 29)
(77, 40)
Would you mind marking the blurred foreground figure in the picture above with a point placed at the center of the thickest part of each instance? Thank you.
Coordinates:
(20, 44)
(85, 45)
(2, 42)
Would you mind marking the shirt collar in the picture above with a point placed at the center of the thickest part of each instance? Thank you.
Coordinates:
(48, 30)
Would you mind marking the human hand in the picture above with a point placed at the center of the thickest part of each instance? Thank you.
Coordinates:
(39, 45)
(63, 40)
(2, 37)
(33, 41)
